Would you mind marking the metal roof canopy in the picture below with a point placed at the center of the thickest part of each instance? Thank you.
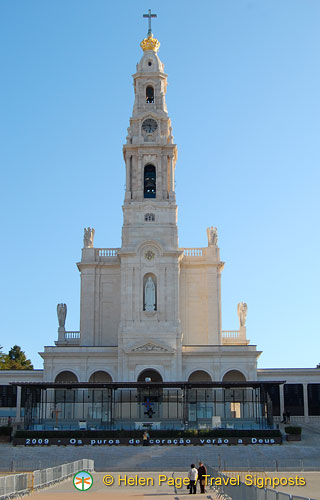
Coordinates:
(138, 385)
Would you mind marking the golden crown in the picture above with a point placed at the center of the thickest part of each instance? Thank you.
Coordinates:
(150, 43)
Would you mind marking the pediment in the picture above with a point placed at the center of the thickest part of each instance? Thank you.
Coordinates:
(151, 347)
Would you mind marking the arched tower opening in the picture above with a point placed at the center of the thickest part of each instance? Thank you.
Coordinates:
(150, 181)
(149, 94)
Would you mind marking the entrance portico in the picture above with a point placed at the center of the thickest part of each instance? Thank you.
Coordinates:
(170, 405)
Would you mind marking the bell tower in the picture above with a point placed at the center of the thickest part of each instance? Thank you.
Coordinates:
(149, 334)
(150, 155)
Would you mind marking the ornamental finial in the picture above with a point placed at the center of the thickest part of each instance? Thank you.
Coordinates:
(149, 16)
(150, 43)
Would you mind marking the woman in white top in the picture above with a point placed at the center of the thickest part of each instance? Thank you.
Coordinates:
(192, 475)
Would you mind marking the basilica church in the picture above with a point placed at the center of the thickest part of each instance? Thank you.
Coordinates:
(151, 349)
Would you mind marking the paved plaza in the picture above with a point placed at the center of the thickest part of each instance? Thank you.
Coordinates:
(100, 491)
(171, 461)
(155, 490)
(287, 456)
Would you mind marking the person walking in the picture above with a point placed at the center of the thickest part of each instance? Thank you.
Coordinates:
(145, 438)
(202, 471)
(192, 475)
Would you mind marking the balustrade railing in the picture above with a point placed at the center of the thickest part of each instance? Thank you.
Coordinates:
(193, 252)
(234, 337)
(107, 252)
(230, 334)
(21, 484)
(71, 335)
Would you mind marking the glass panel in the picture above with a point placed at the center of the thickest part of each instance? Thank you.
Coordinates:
(8, 396)
(293, 399)
(274, 394)
(314, 399)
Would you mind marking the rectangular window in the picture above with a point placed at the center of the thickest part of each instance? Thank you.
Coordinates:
(293, 399)
(314, 399)
(274, 393)
(8, 396)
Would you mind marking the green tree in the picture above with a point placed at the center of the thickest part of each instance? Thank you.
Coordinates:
(2, 359)
(16, 360)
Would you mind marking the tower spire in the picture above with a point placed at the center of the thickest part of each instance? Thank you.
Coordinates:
(149, 16)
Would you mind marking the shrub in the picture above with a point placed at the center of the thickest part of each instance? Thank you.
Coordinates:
(5, 430)
(293, 430)
(101, 434)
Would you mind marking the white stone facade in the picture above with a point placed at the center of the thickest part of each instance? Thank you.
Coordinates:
(183, 333)
(180, 332)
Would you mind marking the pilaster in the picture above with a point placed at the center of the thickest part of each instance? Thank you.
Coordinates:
(305, 399)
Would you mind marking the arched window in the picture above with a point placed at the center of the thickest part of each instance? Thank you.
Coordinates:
(149, 373)
(150, 397)
(234, 376)
(64, 399)
(149, 181)
(199, 376)
(149, 95)
(100, 376)
(66, 377)
(149, 218)
(149, 292)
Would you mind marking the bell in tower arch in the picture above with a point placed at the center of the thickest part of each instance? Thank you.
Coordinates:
(149, 95)
(149, 181)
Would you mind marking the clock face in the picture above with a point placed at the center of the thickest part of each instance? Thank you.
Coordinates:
(149, 125)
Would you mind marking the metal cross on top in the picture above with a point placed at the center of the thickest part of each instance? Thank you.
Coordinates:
(149, 16)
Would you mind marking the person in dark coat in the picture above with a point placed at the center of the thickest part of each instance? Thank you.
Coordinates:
(202, 471)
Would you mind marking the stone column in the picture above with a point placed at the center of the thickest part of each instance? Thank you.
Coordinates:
(164, 176)
(281, 391)
(87, 311)
(213, 305)
(176, 311)
(219, 269)
(305, 401)
(171, 174)
(140, 186)
(172, 195)
(18, 406)
(159, 177)
(128, 187)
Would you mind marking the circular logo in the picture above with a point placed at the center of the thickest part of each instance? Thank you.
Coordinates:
(149, 255)
(82, 480)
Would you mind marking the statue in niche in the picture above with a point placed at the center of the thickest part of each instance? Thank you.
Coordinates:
(212, 233)
(150, 295)
(62, 313)
(242, 313)
(88, 237)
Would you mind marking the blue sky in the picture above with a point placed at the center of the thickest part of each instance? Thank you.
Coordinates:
(243, 96)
